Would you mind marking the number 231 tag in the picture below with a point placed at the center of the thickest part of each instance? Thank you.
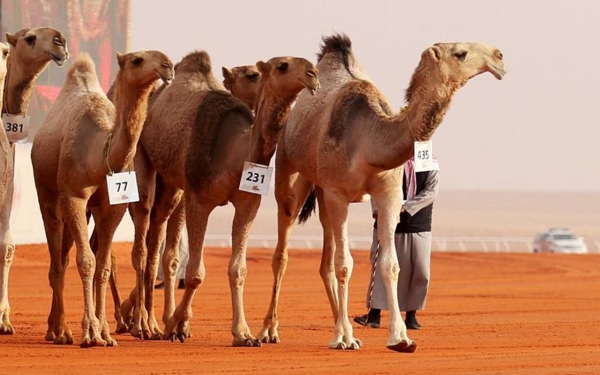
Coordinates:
(424, 156)
(122, 188)
(256, 178)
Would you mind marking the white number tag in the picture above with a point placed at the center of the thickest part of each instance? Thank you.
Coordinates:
(256, 178)
(424, 156)
(122, 188)
(16, 126)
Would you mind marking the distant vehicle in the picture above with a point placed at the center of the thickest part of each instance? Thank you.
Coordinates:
(559, 240)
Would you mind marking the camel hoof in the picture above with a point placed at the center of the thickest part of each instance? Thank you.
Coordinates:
(250, 342)
(111, 343)
(181, 337)
(340, 345)
(270, 340)
(63, 340)
(122, 328)
(6, 329)
(404, 347)
(172, 337)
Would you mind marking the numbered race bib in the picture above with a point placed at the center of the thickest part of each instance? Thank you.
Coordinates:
(256, 178)
(122, 188)
(424, 156)
(16, 126)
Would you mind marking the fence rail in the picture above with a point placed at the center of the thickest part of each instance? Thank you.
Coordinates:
(475, 244)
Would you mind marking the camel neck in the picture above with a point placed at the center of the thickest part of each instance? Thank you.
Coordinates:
(18, 86)
(131, 107)
(417, 122)
(272, 112)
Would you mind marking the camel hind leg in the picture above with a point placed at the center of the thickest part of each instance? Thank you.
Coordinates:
(291, 192)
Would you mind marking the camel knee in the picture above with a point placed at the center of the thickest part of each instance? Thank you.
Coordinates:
(326, 270)
(390, 271)
(237, 276)
(8, 254)
(86, 265)
(103, 275)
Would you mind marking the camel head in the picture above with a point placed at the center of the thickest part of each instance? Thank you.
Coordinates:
(287, 76)
(145, 67)
(453, 64)
(39, 46)
(243, 83)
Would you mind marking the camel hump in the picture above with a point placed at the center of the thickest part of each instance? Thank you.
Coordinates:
(83, 73)
(197, 61)
(84, 64)
(339, 43)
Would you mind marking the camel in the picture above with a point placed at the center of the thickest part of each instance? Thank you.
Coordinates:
(31, 50)
(84, 138)
(208, 167)
(345, 142)
(243, 83)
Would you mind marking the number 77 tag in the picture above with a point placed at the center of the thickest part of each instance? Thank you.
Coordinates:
(122, 188)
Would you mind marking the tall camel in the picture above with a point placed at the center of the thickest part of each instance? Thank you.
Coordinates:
(243, 83)
(84, 138)
(346, 142)
(31, 50)
(208, 168)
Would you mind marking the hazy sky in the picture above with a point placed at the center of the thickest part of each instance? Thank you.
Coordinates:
(535, 130)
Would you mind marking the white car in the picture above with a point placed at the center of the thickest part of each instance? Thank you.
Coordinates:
(559, 241)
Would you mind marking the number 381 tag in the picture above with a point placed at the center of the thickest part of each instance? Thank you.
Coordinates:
(122, 188)
(16, 126)
(424, 156)
(256, 178)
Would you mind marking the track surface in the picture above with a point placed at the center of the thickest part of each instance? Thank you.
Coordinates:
(486, 314)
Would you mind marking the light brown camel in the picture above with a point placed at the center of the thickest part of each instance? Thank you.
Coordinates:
(208, 166)
(84, 138)
(243, 83)
(31, 50)
(346, 142)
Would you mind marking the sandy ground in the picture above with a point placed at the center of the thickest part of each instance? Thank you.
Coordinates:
(487, 314)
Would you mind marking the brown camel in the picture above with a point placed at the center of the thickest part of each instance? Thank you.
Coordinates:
(85, 137)
(346, 142)
(243, 83)
(31, 50)
(208, 166)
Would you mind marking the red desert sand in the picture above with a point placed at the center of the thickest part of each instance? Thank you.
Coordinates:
(487, 313)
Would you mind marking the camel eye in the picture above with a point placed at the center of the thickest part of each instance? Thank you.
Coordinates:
(282, 67)
(461, 55)
(253, 77)
(137, 61)
(30, 40)
(499, 55)
(166, 64)
(311, 73)
(4, 54)
(57, 41)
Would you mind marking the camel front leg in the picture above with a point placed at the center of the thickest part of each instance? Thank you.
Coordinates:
(337, 211)
(59, 244)
(327, 269)
(291, 193)
(74, 213)
(196, 213)
(388, 213)
(107, 220)
(246, 207)
(7, 253)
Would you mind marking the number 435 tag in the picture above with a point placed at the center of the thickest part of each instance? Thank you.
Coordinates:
(122, 188)
(256, 178)
(424, 156)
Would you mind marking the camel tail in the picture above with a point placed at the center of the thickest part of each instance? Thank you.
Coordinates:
(308, 208)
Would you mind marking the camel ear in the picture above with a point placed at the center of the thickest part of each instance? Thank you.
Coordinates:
(263, 68)
(11, 39)
(227, 74)
(120, 59)
(435, 53)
